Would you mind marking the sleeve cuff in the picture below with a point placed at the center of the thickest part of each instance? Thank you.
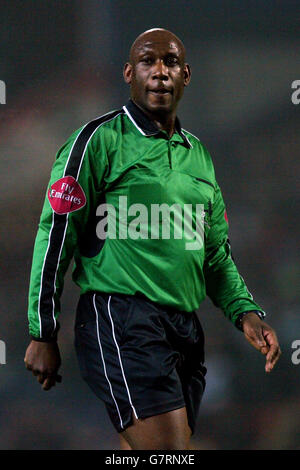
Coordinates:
(53, 339)
(49, 339)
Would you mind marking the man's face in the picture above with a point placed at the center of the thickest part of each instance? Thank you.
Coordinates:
(157, 73)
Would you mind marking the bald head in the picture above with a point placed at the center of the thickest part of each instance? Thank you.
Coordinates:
(154, 37)
(157, 74)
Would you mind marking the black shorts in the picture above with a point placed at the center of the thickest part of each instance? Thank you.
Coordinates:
(140, 358)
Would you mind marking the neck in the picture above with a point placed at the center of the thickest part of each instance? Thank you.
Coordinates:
(164, 121)
(166, 124)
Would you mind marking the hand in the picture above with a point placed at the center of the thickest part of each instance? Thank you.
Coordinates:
(263, 338)
(43, 359)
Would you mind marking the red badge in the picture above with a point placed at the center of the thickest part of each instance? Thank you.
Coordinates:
(225, 216)
(66, 195)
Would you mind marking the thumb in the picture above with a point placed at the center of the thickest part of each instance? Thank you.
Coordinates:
(261, 343)
(255, 337)
(264, 349)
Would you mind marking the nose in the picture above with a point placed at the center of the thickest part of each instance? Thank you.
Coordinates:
(160, 70)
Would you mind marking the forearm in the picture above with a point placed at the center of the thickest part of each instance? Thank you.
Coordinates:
(225, 286)
(46, 284)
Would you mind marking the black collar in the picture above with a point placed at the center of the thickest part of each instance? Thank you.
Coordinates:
(146, 126)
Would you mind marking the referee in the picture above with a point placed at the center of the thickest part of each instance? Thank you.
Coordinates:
(139, 343)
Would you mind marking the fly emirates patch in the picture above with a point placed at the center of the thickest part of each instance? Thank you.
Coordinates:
(225, 216)
(66, 195)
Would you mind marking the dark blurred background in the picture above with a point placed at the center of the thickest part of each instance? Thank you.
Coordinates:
(62, 64)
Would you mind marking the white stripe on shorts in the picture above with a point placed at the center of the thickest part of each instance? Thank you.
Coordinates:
(101, 351)
(121, 365)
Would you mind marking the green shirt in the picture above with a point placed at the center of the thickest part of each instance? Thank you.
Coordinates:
(124, 161)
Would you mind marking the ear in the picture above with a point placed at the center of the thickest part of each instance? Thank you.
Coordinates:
(187, 74)
(127, 73)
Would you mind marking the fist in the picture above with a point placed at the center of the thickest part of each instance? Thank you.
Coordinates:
(43, 359)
